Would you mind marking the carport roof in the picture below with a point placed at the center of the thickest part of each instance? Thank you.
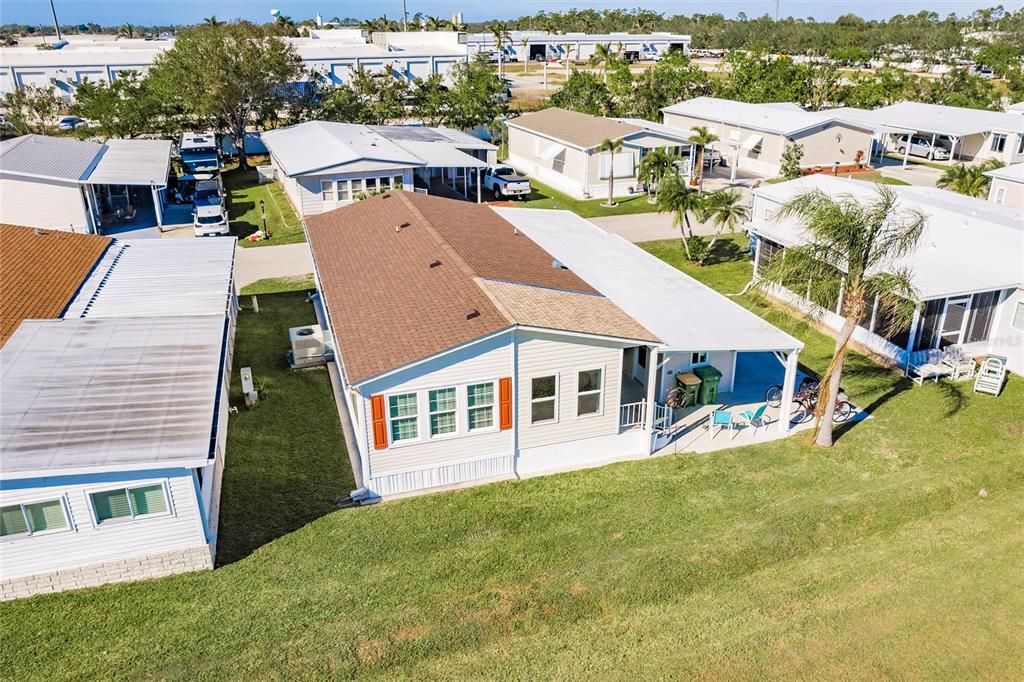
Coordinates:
(132, 162)
(40, 156)
(941, 119)
(684, 313)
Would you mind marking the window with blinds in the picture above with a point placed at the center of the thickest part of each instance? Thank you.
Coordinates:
(32, 518)
(129, 503)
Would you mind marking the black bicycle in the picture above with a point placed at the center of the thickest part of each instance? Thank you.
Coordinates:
(805, 402)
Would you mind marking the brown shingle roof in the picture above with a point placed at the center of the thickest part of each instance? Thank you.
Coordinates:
(40, 272)
(581, 130)
(401, 276)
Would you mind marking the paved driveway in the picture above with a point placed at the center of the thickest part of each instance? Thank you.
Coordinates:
(263, 262)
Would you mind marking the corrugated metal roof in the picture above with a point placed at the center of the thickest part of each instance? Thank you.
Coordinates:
(442, 155)
(133, 162)
(770, 117)
(62, 158)
(946, 120)
(316, 145)
(158, 277)
(117, 393)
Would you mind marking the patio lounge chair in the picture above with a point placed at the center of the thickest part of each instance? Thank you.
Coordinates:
(753, 418)
(934, 364)
(720, 419)
(991, 377)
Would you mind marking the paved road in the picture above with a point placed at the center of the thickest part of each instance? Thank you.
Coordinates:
(263, 262)
(923, 176)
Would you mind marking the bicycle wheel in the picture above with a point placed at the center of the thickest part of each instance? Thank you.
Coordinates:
(773, 396)
(842, 412)
(800, 412)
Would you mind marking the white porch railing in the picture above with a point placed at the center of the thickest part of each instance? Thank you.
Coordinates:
(420, 190)
(632, 414)
(662, 418)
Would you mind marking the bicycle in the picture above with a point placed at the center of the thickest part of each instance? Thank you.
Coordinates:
(805, 401)
(808, 386)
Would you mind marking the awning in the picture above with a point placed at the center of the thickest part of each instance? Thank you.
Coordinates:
(751, 142)
(442, 155)
(552, 151)
(133, 162)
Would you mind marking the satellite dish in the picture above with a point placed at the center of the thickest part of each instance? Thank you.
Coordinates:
(274, 12)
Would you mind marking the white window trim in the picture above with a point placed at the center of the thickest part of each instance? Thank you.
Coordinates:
(495, 409)
(328, 187)
(1019, 309)
(599, 392)
(419, 411)
(1000, 195)
(64, 506)
(998, 136)
(556, 397)
(454, 411)
(164, 483)
(348, 189)
(700, 363)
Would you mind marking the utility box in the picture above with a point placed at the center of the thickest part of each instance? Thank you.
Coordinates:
(709, 377)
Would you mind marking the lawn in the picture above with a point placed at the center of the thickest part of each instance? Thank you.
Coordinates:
(244, 195)
(544, 196)
(879, 558)
(876, 176)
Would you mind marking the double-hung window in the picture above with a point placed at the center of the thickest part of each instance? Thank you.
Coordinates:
(124, 504)
(343, 193)
(328, 190)
(357, 187)
(543, 399)
(402, 416)
(32, 518)
(442, 405)
(396, 182)
(998, 142)
(698, 358)
(480, 406)
(589, 387)
(1020, 143)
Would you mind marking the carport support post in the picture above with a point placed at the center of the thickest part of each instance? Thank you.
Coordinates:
(652, 385)
(952, 150)
(787, 391)
(478, 180)
(157, 206)
(906, 151)
(931, 151)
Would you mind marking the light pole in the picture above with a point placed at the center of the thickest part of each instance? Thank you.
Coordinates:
(263, 212)
(56, 24)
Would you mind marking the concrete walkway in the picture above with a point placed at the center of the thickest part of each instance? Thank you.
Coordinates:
(263, 262)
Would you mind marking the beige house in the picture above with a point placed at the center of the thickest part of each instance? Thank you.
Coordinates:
(559, 147)
(1007, 186)
(752, 137)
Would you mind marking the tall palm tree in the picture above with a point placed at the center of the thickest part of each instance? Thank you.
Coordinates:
(524, 43)
(502, 35)
(436, 23)
(702, 137)
(613, 147)
(212, 21)
(969, 180)
(569, 49)
(655, 165)
(126, 31)
(852, 249)
(726, 210)
(676, 197)
(602, 57)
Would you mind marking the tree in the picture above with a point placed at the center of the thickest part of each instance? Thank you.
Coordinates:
(852, 251)
(969, 180)
(702, 137)
(602, 57)
(33, 108)
(475, 96)
(369, 98)
(957, 88)
(1000, 57)
(126, 31)
(226, 75)
(212, 21)
(673, 79)
(611, 147)
(725, 209)
(790, 168)
(525, 44)
(124, 107)
(655, 165)
(584, 92)
(676, 197)
(430, 100)
(499, 30)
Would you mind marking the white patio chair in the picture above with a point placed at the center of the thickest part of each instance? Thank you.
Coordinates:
(991, 376)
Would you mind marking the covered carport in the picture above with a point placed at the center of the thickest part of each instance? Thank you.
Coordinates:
(127, 186)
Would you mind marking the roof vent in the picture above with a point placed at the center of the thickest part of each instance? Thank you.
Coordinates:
(400, 227)
(38, 232)
(386, 195)
(558, 265)
(435, 263)
(515, 230)
(472, 313)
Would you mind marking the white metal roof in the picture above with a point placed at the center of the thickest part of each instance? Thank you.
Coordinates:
(868, 119)
(682, 312)
(41, 156)
(659, 128)
(969, 245)
(1013, 173)
(133, 162)
(115, 394)
(159, 277)
(944, 120)
(442, 155)
(770, 117)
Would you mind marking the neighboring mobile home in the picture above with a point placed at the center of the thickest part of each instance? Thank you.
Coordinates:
(560, 147)
(968, 269)
(1007, 186)
(753, 137)
(324, 165)
(113, 422)
(475, 343)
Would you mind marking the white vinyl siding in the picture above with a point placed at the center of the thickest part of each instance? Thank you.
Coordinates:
(43, 203)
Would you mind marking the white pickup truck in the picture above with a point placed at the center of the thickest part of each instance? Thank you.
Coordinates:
(503, 182)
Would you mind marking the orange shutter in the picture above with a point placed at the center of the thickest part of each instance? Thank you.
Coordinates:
(380, 430)
(505, 402)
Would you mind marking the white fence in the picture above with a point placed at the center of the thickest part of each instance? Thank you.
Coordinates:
(266, 174)
(632, 414)
(662, 418)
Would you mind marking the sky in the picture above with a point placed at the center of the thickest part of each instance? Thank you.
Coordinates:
(168, 12)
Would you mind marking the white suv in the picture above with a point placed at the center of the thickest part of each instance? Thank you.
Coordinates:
(210, 221)
(922, 146)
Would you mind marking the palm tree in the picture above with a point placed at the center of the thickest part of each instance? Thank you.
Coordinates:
(655, 165)
(702, 137)
(436, 23)
(613, 147)
(852, 250)
(524, 43)
(212, 21)
(502, 35)
(569, 49)
(602, 57)
(725, 209)
(126, 31)
(676, 197)
(969, 180)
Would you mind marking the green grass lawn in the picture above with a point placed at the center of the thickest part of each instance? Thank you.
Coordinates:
(876, 176)
(875, 559)
(544, 196)
(244, 195)
(277, 285)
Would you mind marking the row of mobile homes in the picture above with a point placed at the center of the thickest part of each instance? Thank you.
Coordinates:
(114, 361)
(579, 47)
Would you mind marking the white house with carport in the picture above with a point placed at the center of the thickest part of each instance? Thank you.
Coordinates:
(476, 343)
(113, 423)
(753, 137)
(323, 165)
(968, 269)
(560, 147)
(1007, 186)
(82, 186)
(968, 134)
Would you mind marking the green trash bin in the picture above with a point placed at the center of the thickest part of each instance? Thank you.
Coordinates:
(710, 377)
(690, 383)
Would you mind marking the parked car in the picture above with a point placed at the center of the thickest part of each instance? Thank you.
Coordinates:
(504, 182)
(6, 123)
(207, 193)
(71, 123)
(922, 146)
(210, 221)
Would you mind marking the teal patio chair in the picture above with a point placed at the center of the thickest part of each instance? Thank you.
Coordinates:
(753, 418)
(720, 419)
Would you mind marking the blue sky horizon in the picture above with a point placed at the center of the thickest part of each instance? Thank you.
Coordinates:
(167, 12)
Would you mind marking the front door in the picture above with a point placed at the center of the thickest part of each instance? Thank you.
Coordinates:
(954, 321)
